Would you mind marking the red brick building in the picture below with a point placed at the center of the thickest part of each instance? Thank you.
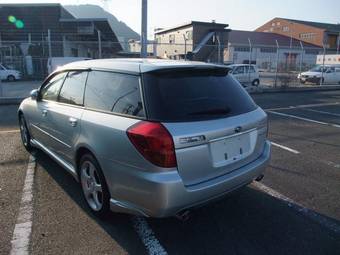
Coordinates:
(307, 31)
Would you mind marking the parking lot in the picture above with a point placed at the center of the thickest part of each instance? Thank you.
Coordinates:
(294, 210)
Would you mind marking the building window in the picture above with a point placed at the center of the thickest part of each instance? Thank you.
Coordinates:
(278, 23)
(188, 35)
(172, 38)
(241, 49)
(273, 24)
(307, 36)
(285, 29)
(268, 50)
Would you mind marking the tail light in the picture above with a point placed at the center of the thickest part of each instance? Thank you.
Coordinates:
(154, 142)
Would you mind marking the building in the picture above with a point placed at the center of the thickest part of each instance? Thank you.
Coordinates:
(266, 49)
(311, 32)
(201, 41)
(135, 47)
(29, 38)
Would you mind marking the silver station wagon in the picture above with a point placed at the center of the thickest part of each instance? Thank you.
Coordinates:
(148, 137)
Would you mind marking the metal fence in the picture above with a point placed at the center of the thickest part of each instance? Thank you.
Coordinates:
(278, 65)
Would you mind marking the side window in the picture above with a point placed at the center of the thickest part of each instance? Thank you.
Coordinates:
(239, 70)
(252, 69)
(73, 89)
(51, 90)
(114, 92)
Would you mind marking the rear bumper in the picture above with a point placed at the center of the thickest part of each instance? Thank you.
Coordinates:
(164, 194)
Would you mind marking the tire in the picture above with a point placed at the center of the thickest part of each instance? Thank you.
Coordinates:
(93, 185)
(10, 78)
(24, 132)
(256, 82)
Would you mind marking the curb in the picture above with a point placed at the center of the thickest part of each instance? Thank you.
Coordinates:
(296, 89)
(11, 100)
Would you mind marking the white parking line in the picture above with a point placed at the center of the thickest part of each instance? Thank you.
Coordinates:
(147, 236)
(9, 131)
(285, 148)
(323, 112)
(305, 119)
(23, 227)
(329, 224)
(302, 106)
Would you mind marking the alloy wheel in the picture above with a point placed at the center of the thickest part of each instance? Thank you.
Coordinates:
(91, 185)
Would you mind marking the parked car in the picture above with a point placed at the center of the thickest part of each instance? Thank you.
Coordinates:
(245, 74)
(321, 75)
(56, 62)
(9, 74)
(148, 137)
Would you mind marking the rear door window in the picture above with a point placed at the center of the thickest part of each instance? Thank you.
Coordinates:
(115, 92)
(72, 91)
(194, 95)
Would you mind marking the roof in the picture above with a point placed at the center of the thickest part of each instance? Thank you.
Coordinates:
(191, 23)
(239, 37)
(135, 65)
(327, 26)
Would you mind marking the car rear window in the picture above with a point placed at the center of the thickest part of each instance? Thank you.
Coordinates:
(194, 95)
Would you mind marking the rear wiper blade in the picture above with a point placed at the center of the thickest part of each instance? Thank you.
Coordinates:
(217, 111)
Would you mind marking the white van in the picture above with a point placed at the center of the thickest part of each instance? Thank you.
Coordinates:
(245, 74)
(55, 62)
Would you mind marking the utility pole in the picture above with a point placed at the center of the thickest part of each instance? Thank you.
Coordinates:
(144, 33)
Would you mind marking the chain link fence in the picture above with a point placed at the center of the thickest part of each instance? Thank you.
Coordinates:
(278, 65)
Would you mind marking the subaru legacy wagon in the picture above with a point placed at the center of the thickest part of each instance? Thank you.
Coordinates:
(149, 137)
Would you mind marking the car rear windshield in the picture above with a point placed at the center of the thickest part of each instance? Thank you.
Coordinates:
(194, 95)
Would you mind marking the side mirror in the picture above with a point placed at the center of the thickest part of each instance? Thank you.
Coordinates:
(34, 94)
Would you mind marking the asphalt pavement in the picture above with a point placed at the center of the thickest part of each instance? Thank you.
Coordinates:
(294, 210)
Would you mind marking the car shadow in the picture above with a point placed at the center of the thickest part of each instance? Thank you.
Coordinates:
(246, 222)
(118, 226)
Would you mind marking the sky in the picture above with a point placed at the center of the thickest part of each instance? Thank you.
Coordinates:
(239, 14)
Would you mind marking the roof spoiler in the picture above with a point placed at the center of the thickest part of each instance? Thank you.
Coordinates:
(221, 69)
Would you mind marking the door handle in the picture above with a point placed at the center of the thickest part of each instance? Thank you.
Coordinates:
(44, 113)
(73, 121)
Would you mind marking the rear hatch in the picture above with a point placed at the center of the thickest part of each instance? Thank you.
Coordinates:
(215, 125)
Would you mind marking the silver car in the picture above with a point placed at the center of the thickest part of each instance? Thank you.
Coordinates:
(148, 137)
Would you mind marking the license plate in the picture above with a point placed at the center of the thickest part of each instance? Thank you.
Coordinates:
(232, 149)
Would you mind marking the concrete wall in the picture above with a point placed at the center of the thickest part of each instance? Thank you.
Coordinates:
(167, 49)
